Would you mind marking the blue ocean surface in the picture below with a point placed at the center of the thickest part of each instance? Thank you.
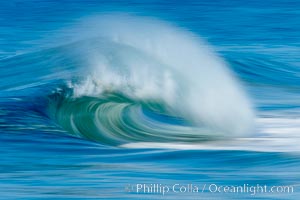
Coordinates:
(145, 99)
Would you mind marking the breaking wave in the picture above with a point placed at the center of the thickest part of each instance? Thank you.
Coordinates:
(143, 80)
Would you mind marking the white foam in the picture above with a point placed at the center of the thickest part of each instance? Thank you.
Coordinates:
(157, 60)
(261, 144)
(274, 134)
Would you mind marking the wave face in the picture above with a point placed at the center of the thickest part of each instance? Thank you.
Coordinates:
(137, 84)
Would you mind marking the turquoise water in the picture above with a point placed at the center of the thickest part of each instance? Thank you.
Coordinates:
(149, 99)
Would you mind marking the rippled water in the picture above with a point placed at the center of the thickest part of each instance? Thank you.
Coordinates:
(97, 97)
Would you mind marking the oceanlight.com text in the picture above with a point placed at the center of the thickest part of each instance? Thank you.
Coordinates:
(164, 189)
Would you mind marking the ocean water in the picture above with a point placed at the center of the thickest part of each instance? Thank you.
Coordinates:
(149, 99)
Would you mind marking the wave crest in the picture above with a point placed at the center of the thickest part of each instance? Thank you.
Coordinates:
(150, 61)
